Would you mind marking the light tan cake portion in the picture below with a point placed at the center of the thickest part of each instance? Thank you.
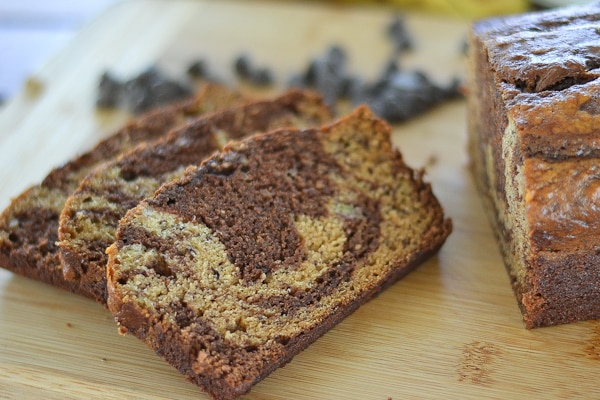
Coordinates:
(233, 269)
(90, 217)
(29, 225)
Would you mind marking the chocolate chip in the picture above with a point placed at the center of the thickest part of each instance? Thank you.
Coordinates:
(262, 77)
(242, 66)
(150, 89)
(198, 69)
(327, 74)
(110, 91)
(140, 93)
(400, 95)
(245, 70)
(398, 34)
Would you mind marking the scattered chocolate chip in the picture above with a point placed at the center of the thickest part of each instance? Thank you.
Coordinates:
(247, 71)
(140, 93)
(110, 91)
(150, 89)
(389, 69)
(396, 95)
(336, 58)
(327, 74)
(350, 86)
(242, 66)
(198, 69)
(262, 77)
(398, 34)
(400, 95)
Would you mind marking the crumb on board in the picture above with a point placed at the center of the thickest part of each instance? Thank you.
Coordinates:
(33, 87)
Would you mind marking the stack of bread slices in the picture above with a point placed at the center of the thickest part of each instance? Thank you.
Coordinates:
(229, 233)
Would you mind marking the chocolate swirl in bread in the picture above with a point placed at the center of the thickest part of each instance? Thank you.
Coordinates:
(90, 217)
(29, 225)
(230, 271)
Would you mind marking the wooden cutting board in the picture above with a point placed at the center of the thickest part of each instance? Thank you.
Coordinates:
(451, 329)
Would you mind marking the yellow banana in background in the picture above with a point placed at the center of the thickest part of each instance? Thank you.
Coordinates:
(466, 8)
(470, 9)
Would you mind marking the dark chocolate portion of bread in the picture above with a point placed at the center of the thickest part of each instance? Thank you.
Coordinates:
(265, 240)
(29, 225)
(90, 216)
(233, 269)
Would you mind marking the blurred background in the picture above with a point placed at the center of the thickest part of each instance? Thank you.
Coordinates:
(32, 30)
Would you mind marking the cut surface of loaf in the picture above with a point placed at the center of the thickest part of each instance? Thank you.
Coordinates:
(29, 225)
(534, 142)
(239, 265)
(90, 217)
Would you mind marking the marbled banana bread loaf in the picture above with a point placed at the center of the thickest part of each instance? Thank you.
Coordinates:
(534, 122)
(232, 270)
(89, 219)
(29, 225)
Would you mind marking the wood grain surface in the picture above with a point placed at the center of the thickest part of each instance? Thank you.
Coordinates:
(451, 329)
